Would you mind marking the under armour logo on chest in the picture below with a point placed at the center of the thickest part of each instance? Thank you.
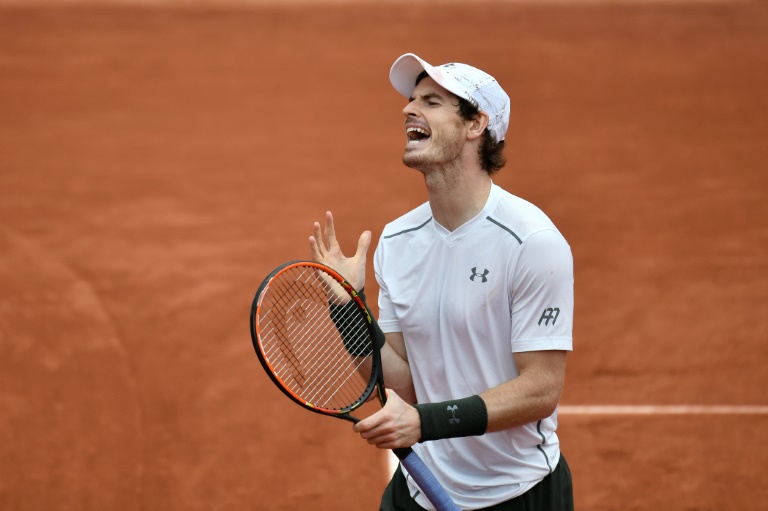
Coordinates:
(483, 275)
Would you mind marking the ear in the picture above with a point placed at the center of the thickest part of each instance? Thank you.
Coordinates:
(477, 126)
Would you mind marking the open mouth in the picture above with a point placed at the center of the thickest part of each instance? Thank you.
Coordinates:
(416, 135)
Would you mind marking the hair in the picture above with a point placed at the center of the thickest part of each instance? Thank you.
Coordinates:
(490, 152)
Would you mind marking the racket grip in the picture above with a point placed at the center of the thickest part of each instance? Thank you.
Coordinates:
(426, 481)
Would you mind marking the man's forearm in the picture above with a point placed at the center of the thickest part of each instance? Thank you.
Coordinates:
(530, 397)
(397, 373)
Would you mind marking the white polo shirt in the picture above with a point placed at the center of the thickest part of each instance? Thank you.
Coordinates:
(466, 301)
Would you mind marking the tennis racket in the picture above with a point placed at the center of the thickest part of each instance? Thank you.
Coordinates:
(315, 338)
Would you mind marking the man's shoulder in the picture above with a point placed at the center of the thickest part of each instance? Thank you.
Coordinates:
(411, 222)
(519, 216)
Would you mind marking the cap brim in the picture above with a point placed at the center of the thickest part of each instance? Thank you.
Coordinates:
(404, 72)
(407, 69)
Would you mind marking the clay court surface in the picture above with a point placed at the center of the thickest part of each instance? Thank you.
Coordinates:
(156, 162)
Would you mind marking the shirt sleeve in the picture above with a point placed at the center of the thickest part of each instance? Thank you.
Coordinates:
(541, 298)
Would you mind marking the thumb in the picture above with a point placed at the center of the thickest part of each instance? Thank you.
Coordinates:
(363, 244)
(391, 396)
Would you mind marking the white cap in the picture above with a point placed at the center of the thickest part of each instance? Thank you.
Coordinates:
(467, 82)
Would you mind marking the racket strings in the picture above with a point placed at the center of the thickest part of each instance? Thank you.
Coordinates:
(304, 344)
(307, 351)
(329, 380)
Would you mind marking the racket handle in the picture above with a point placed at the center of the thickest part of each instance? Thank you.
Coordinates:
(426, 481)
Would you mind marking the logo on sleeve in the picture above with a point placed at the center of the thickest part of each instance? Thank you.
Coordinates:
(483, 275)
(549, 313)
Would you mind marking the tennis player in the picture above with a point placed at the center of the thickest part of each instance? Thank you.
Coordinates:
(476, 303)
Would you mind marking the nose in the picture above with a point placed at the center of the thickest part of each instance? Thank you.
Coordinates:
(410, 109)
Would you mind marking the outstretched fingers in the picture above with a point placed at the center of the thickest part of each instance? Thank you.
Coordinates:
(325, 249)
(323, 240)
(330, 232)
(316, 246)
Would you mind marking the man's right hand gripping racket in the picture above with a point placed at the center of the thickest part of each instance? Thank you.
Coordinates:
(315, 338)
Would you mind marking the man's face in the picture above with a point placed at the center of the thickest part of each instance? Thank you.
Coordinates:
(435, 132)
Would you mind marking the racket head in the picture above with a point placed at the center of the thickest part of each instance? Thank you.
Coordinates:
(300, 346)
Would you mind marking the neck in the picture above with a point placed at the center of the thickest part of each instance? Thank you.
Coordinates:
(457, 195)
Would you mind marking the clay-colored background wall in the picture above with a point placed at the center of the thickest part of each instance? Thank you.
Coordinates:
(157, 161)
